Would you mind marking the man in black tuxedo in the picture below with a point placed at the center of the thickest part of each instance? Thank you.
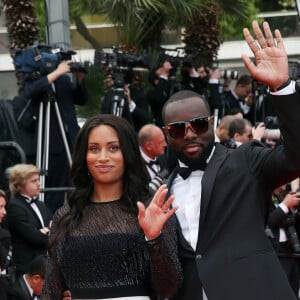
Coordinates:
(152, 145)
(224, 194)
(283, 230)
(240, 98)
(28, 218)
(29, 286)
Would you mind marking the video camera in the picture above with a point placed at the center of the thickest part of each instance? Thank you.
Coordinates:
(43, 59)
(115, 59)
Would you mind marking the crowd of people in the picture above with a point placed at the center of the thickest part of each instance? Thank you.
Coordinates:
(192, 199)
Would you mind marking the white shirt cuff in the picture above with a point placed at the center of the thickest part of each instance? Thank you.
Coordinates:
(284, 208)
(290, 89)
(132, 106)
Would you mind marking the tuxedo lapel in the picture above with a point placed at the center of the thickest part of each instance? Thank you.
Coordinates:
(24, 288)
(208, 179)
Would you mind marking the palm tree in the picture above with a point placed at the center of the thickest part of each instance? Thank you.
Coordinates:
(22, 27)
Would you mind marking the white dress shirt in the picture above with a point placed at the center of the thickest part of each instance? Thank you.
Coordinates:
(188, 198)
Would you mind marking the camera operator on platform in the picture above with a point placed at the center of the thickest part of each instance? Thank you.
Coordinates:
(58, 86)
(283, 230)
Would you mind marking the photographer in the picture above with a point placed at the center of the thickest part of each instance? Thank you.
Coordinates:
(163, 86)
(117, 98)
(41, 87)
(284, 225)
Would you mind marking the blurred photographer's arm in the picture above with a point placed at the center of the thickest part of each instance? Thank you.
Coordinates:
(63, 68)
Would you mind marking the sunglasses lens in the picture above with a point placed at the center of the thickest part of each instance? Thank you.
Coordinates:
(200, 125)
(176, 130)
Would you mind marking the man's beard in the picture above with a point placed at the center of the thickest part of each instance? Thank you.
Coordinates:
(199, 162)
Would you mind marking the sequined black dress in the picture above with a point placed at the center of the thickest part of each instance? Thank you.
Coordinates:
(108, 256)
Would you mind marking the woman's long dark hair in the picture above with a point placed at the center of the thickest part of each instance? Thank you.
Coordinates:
(135, 177)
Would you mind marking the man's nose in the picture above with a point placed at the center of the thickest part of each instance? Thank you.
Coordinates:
(189, 132)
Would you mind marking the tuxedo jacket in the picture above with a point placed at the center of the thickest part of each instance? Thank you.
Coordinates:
(278, 219)
(19, 291)
(24, 226)
(232, 102)
(234, 259)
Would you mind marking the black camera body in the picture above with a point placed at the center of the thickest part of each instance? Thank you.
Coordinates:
(291, 232)
(43, 59)
(113, 59)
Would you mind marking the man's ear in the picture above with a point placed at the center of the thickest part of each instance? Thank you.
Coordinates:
(236, 136)
(36, 277)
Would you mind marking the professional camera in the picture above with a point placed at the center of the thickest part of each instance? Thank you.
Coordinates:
(113, 58)
(43, 59)
(291, 232)
(228, 74)
(272, 131)
(225, 73)
(158, 180)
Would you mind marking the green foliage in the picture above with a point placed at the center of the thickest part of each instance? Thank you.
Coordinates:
(94, 81)
(232, 25)
(41, 17)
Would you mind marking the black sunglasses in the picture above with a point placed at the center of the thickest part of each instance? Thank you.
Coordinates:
(177, 130)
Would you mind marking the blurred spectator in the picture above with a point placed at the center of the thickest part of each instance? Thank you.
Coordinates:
(138, 102)
(5, 244)
(241, 97)
(28, 218)
(222, 130)
(283, 231)
(162, 88)
(117, 96)
(152, 145)
(240, 131)
(29, 286)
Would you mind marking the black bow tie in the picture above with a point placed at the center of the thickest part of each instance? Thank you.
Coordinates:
(33, 200)
(242, 100)
(153, 162)
(185, 172)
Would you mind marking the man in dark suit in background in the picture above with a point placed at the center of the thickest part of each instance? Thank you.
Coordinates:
(283, 230)
(29, 286)
(152, 145)
(28, 218)
(224, 194)
(241, 98)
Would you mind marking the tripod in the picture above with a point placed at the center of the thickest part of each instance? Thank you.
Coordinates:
(118, 102)
(42, 152)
